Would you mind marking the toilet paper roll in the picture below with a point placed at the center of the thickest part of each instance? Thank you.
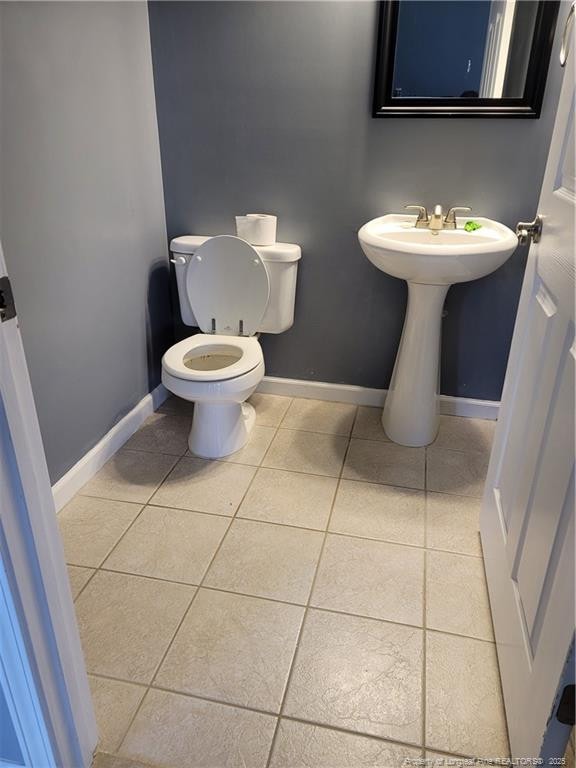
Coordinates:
(257, 228)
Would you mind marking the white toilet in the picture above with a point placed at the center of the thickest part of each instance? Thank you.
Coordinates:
(231, 290)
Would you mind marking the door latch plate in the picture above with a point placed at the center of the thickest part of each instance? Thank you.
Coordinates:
(7, 306)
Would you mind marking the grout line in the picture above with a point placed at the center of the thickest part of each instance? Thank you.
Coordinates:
(266, 451)
(186, 612)
(143, 507)
(350, 732)
(277, 469)
(213, 700)
(348, 435)
(292, 471)
(95, 571)
(103, 676)
(307, 608)
(296, 605)
(286, 411)
(355, 536)
(306, 528)
(392, 542)
(149, 686)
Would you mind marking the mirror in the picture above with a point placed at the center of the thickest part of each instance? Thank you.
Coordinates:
(464, 58)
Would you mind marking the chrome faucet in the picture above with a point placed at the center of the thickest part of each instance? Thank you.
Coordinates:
(435, 221)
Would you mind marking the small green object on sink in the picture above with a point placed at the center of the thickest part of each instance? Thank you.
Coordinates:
(471, 226)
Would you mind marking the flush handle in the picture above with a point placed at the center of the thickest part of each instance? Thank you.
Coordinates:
(529, 231)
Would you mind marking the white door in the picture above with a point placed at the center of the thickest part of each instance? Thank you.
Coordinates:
(43, 682)
(498, 39)
(527, 519)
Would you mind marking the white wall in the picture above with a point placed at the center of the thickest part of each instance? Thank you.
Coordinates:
(82, 213)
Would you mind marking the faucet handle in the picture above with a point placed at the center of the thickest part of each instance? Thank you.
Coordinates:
(422, 212)
(451, 215)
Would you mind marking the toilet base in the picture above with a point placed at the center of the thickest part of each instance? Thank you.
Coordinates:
(219, 429)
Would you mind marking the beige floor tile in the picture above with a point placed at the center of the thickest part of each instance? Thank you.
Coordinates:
(368, 424)
(301, 745)
(457, 596)
(380, 462)
(177, 405)
(453, 523)
(378, 511)
(130, 476)
(253, 452)
(270, 409)
(91, 527)
(79, 577)
(235, 649)
(126, 623)
(169, 544)
(464, 709)
(306, 452)
(105, 760)
(358, 674)
(320, 416)
(162, 433)
(205, 486)
(291, 498)
(371, 578)
(181, 732)
(266, 560)
(461, 434)
(115, 704)
(456, 472)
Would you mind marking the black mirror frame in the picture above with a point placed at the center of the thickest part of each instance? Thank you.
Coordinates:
(528, 106)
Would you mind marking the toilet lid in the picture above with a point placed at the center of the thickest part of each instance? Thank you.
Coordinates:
(228, 286)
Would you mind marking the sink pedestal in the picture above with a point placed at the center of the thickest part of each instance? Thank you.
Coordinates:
(430, 262)
(411, 411)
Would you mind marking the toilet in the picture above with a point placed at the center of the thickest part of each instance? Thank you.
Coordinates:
(232, 291)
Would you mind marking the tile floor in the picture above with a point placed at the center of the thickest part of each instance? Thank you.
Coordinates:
(316, 600)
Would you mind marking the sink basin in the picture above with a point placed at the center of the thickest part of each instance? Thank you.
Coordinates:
(430, 262)
(393, 244)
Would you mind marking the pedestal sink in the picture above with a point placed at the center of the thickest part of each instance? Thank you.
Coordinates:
(430, 261)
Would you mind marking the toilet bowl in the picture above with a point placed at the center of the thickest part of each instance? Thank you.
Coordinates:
(225, 287)
(217, 373)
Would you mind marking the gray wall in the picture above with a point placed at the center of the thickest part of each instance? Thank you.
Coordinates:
(265, 106)
(82, 214)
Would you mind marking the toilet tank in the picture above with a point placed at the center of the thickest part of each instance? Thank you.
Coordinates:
(281, 261)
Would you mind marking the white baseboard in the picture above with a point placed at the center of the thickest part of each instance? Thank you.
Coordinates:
(347, 393)
(68, 485)
(91, 462)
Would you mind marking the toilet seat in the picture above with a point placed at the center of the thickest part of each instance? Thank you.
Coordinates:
(212, 357)
(228, 286)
